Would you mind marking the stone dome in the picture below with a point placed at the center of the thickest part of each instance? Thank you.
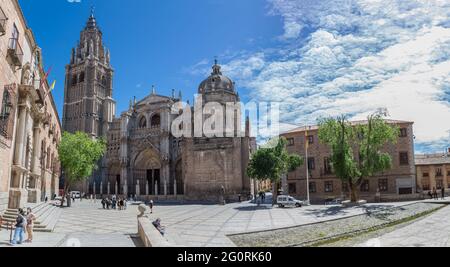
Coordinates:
(216, 82)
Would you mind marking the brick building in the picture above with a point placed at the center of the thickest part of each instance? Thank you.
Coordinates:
(433, 171)
(394, 184)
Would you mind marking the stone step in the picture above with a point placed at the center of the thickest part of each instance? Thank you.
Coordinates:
(44, 214)
(48, 225)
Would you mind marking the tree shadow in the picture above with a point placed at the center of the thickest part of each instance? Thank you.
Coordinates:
(253, 208)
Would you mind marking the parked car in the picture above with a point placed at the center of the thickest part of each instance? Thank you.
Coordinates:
(57, 201)
(75, 194)
(288, 201)
(333, 201)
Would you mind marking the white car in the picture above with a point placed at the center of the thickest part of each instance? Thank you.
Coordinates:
(288, 201)
(75, 194)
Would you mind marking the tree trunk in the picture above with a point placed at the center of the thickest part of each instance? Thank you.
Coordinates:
(66, 190)
(274, 193)
(353, 193)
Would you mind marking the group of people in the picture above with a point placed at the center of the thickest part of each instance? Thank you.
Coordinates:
(434, 194)
(114, 203)
(24, 222)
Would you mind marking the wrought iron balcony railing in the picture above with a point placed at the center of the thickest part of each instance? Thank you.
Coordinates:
(3, 20)
(15, 52)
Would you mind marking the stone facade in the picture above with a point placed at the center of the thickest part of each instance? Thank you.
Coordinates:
(88, 103)
(397, 183)
(29, 123)
(433, 171)
(145, 159)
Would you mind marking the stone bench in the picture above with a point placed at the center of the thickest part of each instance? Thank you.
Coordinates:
(149, 235)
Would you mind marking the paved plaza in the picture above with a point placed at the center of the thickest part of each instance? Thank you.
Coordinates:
(431, 231)
(86, 224)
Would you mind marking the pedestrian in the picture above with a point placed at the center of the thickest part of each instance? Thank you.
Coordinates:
(114, 203)
(151, 206)
(125, 201)
(430, 194)
(159, 227)
(104, 203)
(46, 199)
(435, 194)
(121, 204)
(20, 226)
(443, 193)
(30, 225)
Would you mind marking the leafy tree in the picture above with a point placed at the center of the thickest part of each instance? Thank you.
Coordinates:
(79, 155)
(367, 139)
(272, 162)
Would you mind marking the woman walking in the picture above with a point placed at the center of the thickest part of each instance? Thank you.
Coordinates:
(30, 224)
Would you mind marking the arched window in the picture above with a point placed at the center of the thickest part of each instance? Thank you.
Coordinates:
(143, 122)
(74, 79)
(81, 79)
(156, 121)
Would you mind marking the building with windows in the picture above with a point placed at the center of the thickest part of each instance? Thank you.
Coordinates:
(29, 124)
(394, 184)
(433, 171)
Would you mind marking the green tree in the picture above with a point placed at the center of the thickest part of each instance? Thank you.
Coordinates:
(367, 139)
(272, 162)
(79, 155)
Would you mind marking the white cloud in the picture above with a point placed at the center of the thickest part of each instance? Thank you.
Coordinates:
(358, 56)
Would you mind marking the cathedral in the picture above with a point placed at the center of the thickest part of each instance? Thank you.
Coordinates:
(144, 158)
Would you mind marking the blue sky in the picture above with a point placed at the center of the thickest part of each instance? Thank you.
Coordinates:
(318, 58)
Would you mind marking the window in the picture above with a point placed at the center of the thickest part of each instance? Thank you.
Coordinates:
(3, 20)
(404, 159)
(81, 79)
(311, 139)
(365, 186)
(448, 173)
(327, 166)
(155, 121)
(7, 113)
(292, 188)
(15, 37)
(439, 184)
(290, 141)
(74, 80)
(426, 174)
(312, 187)
(438, 172)
(311, 164)
(383, 185)
(328, 187)
(143, 122)
(345, 187)
(403, 132)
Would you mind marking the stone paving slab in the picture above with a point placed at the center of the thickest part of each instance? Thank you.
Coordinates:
(432, 231)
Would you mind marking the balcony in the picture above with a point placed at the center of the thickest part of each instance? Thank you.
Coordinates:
(15, 52)
(3, 20)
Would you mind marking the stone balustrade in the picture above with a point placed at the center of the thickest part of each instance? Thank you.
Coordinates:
(149, 235)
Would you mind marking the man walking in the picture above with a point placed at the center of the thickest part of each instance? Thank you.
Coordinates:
(443, 193)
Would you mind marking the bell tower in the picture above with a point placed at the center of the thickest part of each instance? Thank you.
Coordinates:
(88, 103)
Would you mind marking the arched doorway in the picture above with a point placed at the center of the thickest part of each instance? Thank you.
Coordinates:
(147, 170)
(179, 177)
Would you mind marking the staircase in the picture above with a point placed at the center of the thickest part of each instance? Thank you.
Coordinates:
(47, 216)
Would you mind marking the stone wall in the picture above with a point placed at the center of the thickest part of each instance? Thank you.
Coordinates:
(149, 235)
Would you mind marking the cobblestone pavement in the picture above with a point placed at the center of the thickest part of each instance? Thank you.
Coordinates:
(432, 231)
(201, 225)
(86, 224)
